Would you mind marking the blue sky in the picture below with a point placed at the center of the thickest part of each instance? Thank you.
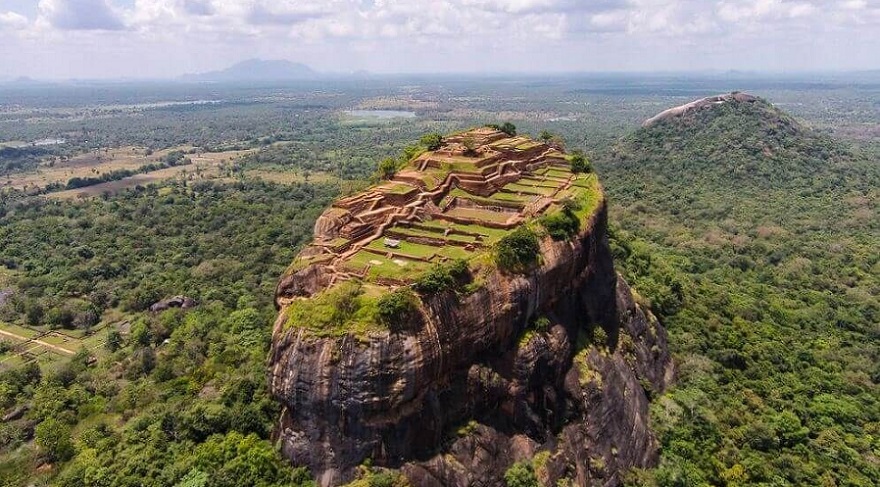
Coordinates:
(164, 38)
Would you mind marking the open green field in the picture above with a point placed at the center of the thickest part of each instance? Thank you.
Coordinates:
(286, 176)
(48, 347)
(204, 165)
(113, 187)
(9, 329)
(91, 164)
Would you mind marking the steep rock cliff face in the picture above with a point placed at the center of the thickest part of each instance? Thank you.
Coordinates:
(473, 385)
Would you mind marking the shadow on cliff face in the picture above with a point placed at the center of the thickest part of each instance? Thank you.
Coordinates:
(555, 361)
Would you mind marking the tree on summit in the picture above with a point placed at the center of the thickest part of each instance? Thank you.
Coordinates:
(431, 141)
(579, 163)
(507, 127)
(387, 168)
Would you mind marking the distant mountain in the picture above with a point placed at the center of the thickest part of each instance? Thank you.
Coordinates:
(24, 80)
(256, 70)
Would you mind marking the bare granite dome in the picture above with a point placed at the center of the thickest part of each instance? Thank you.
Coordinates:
(688, 108)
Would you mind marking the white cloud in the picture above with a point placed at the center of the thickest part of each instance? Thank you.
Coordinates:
(404, 35)
(79, 15)
(12, 21)
(736, 10)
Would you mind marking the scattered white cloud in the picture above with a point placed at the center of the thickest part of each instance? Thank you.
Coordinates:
(736, 10)
(13, 21)
(412, 35)
(198, 8)
(79, 15)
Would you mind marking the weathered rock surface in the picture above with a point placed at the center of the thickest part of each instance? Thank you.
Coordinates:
(182, 302)
(456, 399)
(694, 106)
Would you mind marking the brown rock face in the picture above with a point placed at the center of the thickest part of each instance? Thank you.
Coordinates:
(475, 385)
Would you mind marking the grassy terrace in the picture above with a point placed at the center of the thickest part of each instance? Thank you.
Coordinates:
(398, 189)
(512, 143)
(382, 268)
(482, 215)
(17, 331)
(461, 163)
(497, 199)
(555, 172)
(406, 248)
(542, 190)
(431, 177)
(336, 242)
(586, 191)
(490, 235)
(520, 199)
(531, 181)
(419, 232)
(529, 145)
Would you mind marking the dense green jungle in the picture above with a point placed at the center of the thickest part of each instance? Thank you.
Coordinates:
(751, 232)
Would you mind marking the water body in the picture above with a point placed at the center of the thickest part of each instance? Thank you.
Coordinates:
(17, 144)
(49, 142)
(380, 114)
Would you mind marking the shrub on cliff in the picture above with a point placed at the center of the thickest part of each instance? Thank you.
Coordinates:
(442, 277)
(565, 223)
(518, 250)
(397, 309)
(521, 474)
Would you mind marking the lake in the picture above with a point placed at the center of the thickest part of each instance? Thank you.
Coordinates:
(380, 114)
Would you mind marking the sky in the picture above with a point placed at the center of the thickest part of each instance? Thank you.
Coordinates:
(58, 39)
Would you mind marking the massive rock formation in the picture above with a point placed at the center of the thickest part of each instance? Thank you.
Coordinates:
(697, 105)
(556, 364)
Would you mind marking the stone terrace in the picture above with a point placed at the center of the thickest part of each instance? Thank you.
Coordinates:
(450, 203)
